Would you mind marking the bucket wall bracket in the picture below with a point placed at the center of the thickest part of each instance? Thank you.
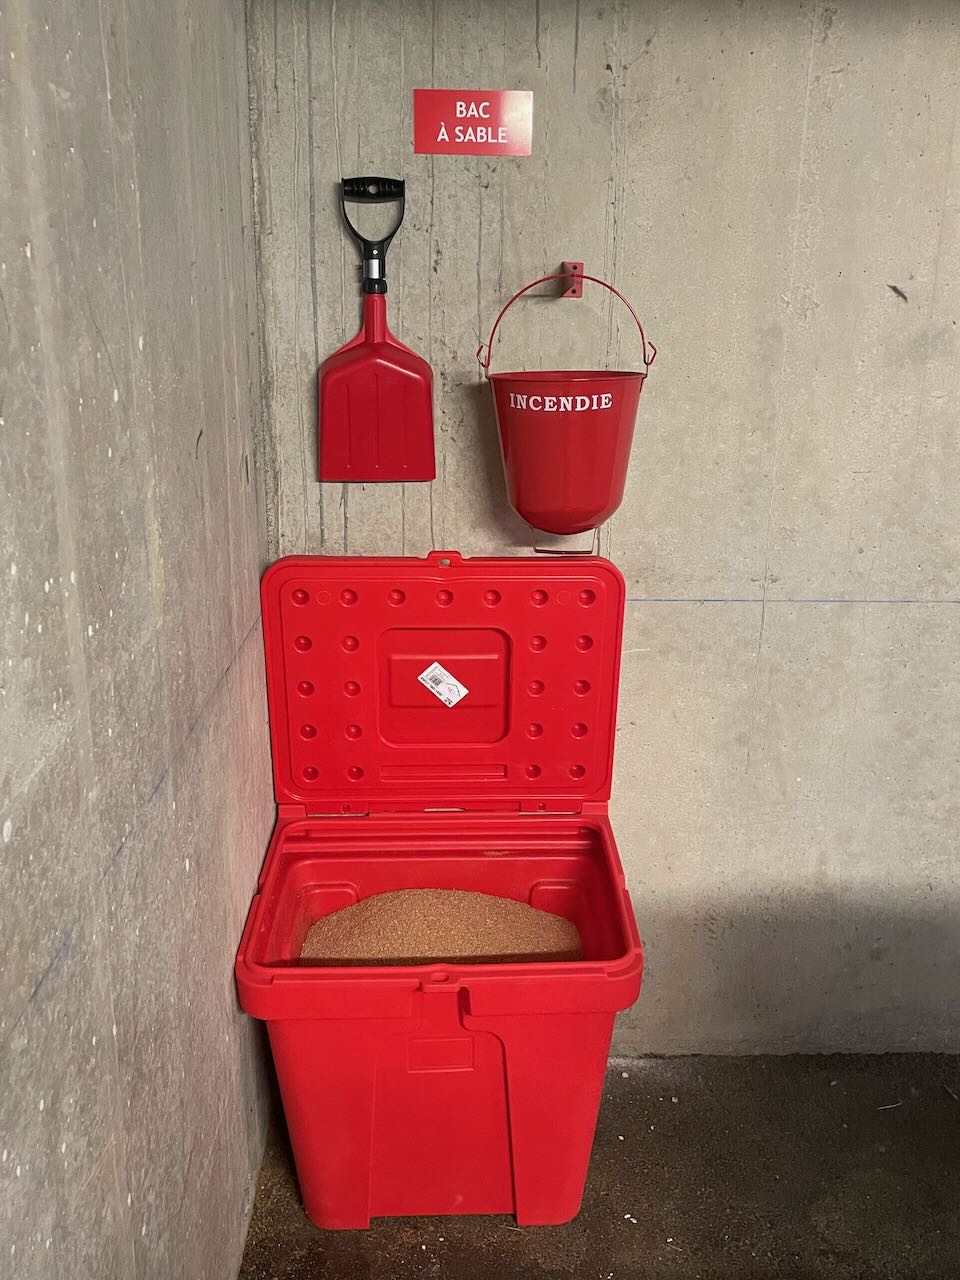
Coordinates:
(574, 288)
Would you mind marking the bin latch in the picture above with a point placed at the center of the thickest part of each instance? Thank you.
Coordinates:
(439, 980)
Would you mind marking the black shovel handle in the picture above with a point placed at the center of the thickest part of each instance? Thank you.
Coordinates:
(374, 252)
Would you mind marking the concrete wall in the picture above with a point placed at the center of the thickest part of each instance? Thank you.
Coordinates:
(756, 177)
(134, 791)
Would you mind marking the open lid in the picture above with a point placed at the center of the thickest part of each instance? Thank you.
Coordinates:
(400, 683)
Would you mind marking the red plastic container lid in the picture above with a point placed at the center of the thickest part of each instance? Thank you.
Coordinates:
(368, 659)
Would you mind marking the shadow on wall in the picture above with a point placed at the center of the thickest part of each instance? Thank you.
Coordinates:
(505, 524)
(815, 973)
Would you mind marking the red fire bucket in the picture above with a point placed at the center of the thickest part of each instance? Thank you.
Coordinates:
(566, 434)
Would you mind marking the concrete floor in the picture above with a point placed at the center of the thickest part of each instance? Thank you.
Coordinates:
(794, 1167)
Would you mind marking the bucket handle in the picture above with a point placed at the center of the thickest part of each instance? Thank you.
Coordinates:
(645, 342)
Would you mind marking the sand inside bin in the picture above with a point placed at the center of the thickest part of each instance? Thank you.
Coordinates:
(430, 926)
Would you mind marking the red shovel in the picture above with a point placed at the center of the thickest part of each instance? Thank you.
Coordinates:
(375, 394)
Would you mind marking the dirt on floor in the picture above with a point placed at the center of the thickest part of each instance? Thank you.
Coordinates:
(798, 1168)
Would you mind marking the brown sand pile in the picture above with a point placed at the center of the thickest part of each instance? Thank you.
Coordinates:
(429, 926)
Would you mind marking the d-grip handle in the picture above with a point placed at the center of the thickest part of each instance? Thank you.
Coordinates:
(372, 190)
(374, 252)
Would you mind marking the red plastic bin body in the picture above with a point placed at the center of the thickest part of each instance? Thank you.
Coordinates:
(442, 1088)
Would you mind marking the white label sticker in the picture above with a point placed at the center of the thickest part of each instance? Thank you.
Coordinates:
(441, 683)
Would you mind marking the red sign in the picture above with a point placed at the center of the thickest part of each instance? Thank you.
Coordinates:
(472, 122)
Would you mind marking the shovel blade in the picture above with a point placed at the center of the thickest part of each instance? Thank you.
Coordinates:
(376, 415)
